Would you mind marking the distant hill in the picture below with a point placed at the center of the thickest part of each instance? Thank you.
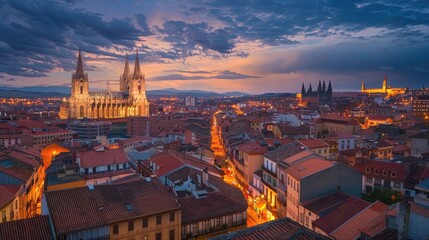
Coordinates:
(10, 93)
(62, 91)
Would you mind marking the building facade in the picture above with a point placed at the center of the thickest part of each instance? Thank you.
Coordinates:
(130, 100)
(385, 89)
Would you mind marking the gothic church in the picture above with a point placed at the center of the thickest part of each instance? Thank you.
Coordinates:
(131, 99)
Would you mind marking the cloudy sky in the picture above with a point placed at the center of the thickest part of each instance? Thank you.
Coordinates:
(217, 45)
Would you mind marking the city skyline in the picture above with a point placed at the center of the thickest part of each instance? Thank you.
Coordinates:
(218, 46)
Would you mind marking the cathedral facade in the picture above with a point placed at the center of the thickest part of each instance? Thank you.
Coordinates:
(385, 89)
(129, 101)
(323, 94)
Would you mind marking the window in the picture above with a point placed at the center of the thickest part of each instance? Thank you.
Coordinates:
(115, 229)
(369, 179)
(218, 222)
(172, 234)
(172, 217)
(158, 236)
(396, 184)
(145, 222)
(130, 226)
(377, 181)
(158, 219)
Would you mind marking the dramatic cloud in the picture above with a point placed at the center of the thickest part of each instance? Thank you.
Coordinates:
(214, 75)
(43, 35)
(269, 38)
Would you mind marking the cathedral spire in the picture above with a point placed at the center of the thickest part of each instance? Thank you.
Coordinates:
(319, 88)
(127, 67)
(329, 87)
(137, 73)
(324, 86)
(79, 68)
(303, 90)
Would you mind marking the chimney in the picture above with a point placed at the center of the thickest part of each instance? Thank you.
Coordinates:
(402, 218)
(206, 177)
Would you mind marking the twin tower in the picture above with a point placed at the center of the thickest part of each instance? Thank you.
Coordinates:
(129, 101)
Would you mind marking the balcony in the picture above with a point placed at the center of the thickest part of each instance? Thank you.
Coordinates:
(273, 174)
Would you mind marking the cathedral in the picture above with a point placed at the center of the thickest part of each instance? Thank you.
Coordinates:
(323, 95)
(130, 100)
(385, 89)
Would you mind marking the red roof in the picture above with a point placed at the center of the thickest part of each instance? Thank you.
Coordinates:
(136, 139)
(29, 124)
(341, 214)
(170, 161)
(21, 173)
(400, 148)
(313, 143)
(166, 162)
(81, 208)
(280, 229)
(102, 158)
(36, 228)
(7, 193)
(253, 148)
(371, 221)
(384, 170)
(24, 158)
(335, 118)
(308, 167)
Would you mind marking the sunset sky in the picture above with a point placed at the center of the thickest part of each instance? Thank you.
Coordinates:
(226, 45)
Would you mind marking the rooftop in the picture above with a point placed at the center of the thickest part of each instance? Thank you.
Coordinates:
(385, 170)
(82, 208)
(253, 148)
(308, 167)
(36, 228)
(283, 152)
(341, 214)
(280, 229)
(313, 143)
(102, 158)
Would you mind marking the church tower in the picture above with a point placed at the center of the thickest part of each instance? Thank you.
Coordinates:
(137, 91)
(363, 87)
(384, 83)
(125, 78)
(80, 85)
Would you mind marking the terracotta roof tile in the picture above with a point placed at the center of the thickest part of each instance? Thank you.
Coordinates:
(7, 193)
(372, 220)
(386, 234)
(81, 208)
(36, 228)
(19, 172)
(167, 163)
(284, 152)
(325, 204)
(253, 148)
(313, 143)
(308, 167)
(280, 229)
(341, 214)
(102, 158)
